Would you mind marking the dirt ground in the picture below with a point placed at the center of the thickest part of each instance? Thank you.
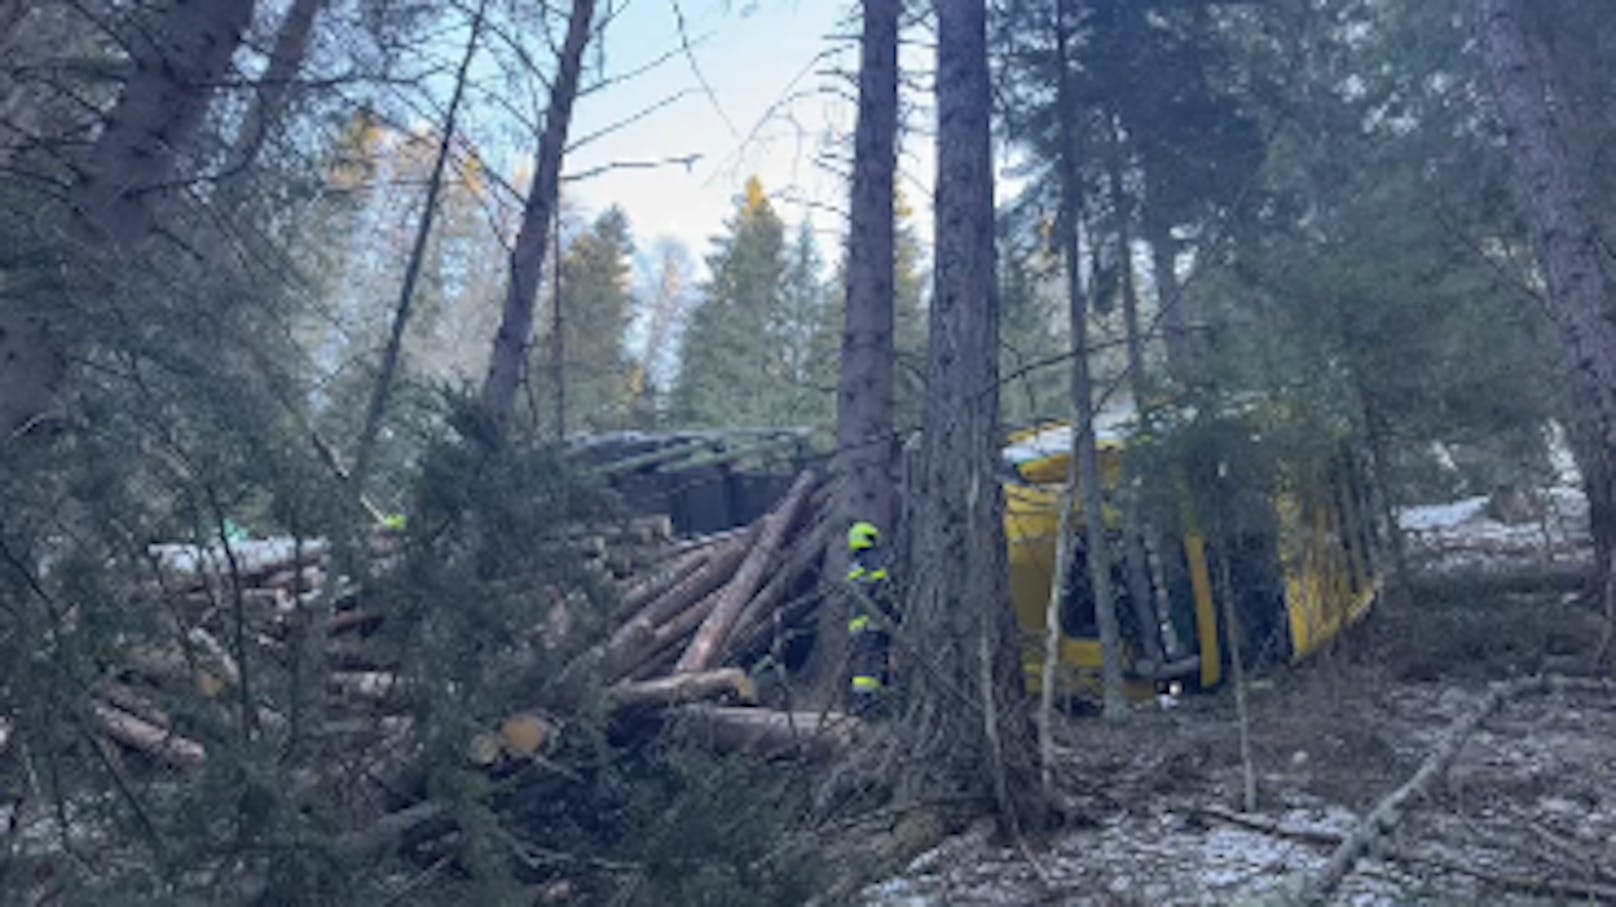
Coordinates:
(1526, 815)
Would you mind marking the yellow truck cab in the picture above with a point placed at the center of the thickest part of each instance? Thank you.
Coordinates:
(1194, 513)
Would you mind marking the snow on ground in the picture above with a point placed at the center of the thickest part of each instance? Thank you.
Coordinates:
(1532, 792)
(1463, 535)
(251, 555)
(1539, 771)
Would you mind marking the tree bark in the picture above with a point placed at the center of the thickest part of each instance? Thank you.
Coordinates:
(133, 163)
(965, 728)
(1083, 440)
(128, 170)
(274, 91)
(527, 258)
(715, 629)
(160, 743)
(376, 412)
(680, 688)
(1170, 298)
(1137, 563)
(1557, 206)
(865, 467)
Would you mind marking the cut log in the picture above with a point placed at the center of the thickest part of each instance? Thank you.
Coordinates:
(719, 568)
(765, 731)
(170, 666)
(370, 685)
(710, 637)
(135, 704)
(681, 688)
(159, 743)
(295, 582)
(254, 558)
(527, 734)
(215, 658)
(344, 621)
(806, 554)
(749, 640)
(662, 639)
(641, 637)
(705, 542)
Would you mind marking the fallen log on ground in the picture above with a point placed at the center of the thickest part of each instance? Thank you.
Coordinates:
(160, 743)
(127, 699)
(766, 732)
(681, 688)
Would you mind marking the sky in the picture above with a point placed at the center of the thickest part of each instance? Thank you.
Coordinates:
(759, 105)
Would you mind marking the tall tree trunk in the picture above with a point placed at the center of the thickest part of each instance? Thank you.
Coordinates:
(1138, 566)
(1088, 457)
(1579, 289)
(558, 325)
(274, 91)
(376, 412)
(133, 163)
(127, 172)
(527, 258)
(1169, 297)
(965, 728)
(865, 466)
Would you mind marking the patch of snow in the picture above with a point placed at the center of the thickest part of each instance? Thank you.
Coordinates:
(1442, 516)
(252, 555)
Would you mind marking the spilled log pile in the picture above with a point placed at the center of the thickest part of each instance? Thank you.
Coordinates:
(695, 613)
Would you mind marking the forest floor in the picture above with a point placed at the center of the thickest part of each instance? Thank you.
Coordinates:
(1526, 814)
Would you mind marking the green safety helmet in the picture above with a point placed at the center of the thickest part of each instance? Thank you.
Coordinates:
(863, 535)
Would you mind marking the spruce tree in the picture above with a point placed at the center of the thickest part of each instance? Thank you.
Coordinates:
(733, 369)
(595, 304)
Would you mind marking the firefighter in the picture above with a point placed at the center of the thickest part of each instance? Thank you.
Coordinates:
(869, 619)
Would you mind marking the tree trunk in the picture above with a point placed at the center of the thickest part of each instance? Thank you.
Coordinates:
(377, 410)
(527, 259)
(133, 163)
(1169, 299)
(1557, 207)
(1138, 565)
(1083, 440)
(965, 728)
(864, 470)
(274, 90)
(128, 170)
(558, 325)
(738, 591)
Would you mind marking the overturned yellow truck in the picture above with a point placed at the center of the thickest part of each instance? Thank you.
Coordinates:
(1217, 535)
